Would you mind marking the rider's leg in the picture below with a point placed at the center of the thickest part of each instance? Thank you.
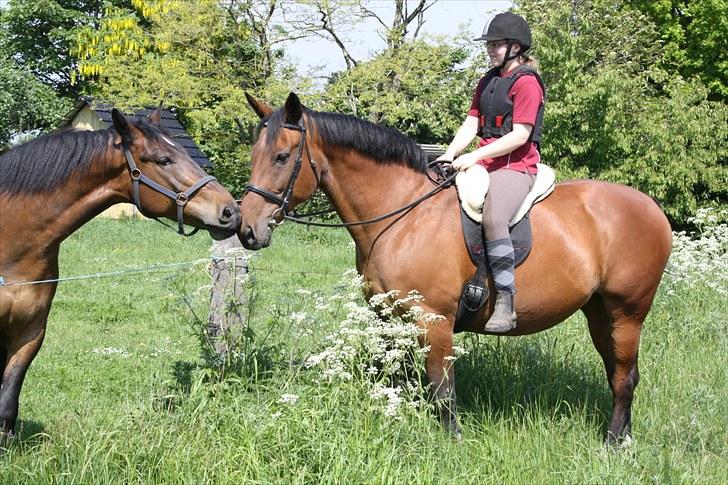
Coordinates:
(507, 191)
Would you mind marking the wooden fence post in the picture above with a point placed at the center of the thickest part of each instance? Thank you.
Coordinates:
(227, 317)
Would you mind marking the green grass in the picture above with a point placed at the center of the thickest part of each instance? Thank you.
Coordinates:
(533, 409)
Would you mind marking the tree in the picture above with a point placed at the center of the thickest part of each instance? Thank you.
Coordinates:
(694, 35)
(333, 19)
(41, 33)
(615, 113)
(427, 93)
(26, 104)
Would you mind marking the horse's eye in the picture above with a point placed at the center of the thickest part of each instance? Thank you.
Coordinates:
(164, 161)
(282, 158)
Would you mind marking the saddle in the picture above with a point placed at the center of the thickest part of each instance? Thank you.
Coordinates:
(472, 185)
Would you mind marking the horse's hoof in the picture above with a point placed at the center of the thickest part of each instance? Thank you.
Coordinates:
(6, 437)
(618, 444)
(455, 432)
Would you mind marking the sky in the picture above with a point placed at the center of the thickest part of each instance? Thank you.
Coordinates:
(444, 18)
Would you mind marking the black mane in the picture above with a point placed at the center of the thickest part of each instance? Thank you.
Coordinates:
(47, 162)
(383, 144)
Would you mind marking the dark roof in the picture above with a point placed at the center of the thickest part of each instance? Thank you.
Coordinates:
(168, 122)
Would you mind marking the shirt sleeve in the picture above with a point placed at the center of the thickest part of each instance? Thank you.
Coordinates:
(527, 98)
(475, 104)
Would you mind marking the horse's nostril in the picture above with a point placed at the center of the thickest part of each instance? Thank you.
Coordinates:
(227, 212)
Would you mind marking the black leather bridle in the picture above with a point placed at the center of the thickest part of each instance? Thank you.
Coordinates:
(284, 200)
(180, 198)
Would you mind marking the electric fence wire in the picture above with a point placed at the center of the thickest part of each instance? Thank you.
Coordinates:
(160, 268)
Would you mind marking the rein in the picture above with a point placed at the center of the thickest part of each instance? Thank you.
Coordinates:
(443, 180)
(180, 198)
(442, 185)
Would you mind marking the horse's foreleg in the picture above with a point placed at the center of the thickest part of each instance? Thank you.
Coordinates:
(3, 362)
(19, 356)
(616, 336)
(441, 375)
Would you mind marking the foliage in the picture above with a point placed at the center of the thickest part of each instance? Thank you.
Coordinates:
(418, 89)
(614, 114)
(41, 34)
(694, 39)
(35, 67)
(25, 103)
(701, 253)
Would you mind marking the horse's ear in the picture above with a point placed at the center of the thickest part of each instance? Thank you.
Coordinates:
(260, 108)
(122, 128)
(156, 117)
(294, 109)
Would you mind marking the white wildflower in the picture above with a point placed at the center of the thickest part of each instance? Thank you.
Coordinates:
(112, 351)
(298, 317)
(288, 399)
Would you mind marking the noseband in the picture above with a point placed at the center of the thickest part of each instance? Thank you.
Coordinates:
(284, 200)
(180, 198)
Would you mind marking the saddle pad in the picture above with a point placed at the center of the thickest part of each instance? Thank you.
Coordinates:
(473, 183)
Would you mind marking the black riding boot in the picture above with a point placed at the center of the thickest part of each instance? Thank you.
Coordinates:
(503, 318)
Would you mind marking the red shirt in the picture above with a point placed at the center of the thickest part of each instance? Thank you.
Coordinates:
(527, 97)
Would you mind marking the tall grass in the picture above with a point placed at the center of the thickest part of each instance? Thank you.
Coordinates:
(120, 392)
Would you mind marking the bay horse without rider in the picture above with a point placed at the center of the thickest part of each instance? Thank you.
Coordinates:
(598, 247)
(51, 186)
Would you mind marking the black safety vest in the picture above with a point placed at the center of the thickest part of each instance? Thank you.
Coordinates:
(496, 108)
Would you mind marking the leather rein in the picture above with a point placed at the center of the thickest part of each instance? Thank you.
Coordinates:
(443, 181)
(180, 198)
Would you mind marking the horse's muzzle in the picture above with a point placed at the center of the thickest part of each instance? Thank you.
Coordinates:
(252, 240)
(227, 223)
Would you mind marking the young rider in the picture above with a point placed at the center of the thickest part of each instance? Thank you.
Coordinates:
(507, 114)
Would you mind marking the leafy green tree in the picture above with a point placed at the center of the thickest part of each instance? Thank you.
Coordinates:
(694, 35)
(418, 88)
(615, 113)
(26, 104)
(41, 33)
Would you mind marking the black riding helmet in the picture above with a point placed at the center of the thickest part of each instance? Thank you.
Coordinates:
(511, 27)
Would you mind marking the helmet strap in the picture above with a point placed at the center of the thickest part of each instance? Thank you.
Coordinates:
(509, 56)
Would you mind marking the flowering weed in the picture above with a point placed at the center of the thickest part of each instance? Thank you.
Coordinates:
(701, 257)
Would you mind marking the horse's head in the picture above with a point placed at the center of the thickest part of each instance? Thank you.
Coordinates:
(166, 182)
(282, 172)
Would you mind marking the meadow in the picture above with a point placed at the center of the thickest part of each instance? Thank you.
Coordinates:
(121, 391)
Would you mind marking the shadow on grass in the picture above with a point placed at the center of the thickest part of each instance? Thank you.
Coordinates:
(182, 373)
(28, 435)
(515, 378)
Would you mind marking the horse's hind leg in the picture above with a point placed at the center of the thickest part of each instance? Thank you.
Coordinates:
(616, 337)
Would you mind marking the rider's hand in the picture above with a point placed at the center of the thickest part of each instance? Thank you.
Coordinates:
(445, 157)
(464, 162)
